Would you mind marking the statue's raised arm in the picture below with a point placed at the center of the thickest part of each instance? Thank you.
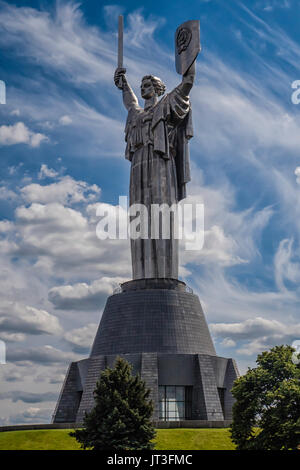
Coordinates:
(129, 98)
(187, 47)
(188, 80)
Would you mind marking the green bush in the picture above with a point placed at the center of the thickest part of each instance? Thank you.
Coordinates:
(121, 417)
(266, 414)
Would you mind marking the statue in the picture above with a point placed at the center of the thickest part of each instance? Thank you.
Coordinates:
(157, 147)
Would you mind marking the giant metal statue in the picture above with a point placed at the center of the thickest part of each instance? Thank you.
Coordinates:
(157, 147)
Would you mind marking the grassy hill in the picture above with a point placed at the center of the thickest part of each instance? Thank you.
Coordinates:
(166, 439)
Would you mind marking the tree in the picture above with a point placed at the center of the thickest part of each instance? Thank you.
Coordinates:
(121, 417)
(266, 413)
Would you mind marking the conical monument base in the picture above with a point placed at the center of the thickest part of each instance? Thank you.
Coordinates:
(159, 327)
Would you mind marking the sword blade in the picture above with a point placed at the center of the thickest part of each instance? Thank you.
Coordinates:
(120, 41)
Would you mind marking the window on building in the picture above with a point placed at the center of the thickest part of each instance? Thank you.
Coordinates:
(221, 392)
(175, 402)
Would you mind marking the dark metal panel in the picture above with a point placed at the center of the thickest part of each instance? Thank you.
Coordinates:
(176, 369)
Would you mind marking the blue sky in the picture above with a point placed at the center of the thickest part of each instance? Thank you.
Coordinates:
(62, 154)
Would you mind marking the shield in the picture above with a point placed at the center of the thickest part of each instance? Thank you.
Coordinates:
(187, 45)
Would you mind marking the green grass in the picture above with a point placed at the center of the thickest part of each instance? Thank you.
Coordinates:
(44, 439)
(166, 439)
(194, 439)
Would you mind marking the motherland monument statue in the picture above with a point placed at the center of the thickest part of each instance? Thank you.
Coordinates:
(157, 147)
(155, 321)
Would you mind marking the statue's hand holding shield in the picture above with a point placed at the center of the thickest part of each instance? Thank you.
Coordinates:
(187, 45)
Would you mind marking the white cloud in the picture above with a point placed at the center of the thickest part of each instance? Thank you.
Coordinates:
(255, 347)
(36, 139)
(40, 355)
(6, 226)
(63, 241)
(228, 343)
(240, 111)
(256, 334)
(20, 134)
(284, 267)
(65, 120)
(7, 194)
(59, 240)
(12, 337)
(12, 170)
(81, 339)
(297, 173)
(78, 50)
(13, 375)
(288, 195)
(246, 312)
(254, 327)
(82, 296)
(31, 415)
(42, 216)
(46, 172)
(230, 235)
(65, 191)
(111, 13)
(18, 318)
(140, 31)
(15, 112)
(28, 397)
(273, 4)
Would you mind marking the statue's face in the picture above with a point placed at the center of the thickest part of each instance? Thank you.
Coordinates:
(147, 89)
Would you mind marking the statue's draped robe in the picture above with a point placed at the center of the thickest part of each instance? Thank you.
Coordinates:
(157, 146)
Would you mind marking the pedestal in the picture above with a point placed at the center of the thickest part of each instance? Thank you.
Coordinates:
(159, 327)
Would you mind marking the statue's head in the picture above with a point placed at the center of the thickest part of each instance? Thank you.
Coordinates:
(151, 86)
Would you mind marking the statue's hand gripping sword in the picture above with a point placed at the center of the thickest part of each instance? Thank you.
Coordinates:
(120, 70)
